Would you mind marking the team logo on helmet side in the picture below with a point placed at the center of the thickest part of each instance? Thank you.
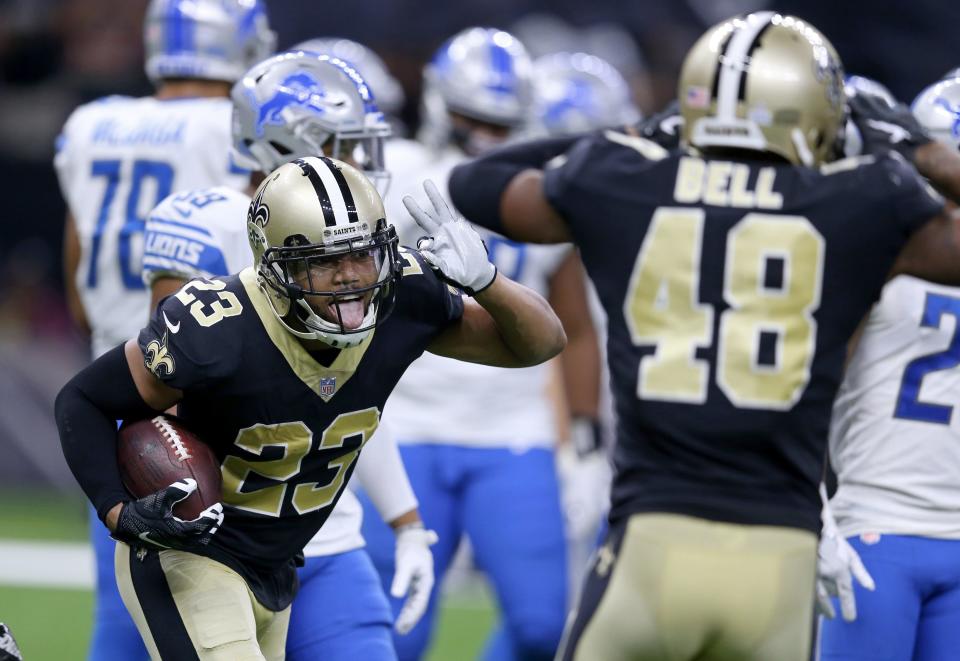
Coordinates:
(258, 212)
(953, 110)
(299, 89)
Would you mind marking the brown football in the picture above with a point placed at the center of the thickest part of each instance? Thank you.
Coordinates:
(157, 452)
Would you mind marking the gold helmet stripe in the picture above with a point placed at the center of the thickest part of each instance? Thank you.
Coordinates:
(734, 61)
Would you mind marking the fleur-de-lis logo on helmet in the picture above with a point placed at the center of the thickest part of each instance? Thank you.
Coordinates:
(258, 212)
(158, 359)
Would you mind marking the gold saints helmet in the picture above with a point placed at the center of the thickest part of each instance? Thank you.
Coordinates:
(764, 82)
(305, 218)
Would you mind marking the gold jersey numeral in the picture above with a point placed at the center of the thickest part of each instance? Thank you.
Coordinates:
(662, 309)
(295, 440)
(228, 305)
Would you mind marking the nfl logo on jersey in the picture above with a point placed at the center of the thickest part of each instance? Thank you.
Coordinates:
(328, 385)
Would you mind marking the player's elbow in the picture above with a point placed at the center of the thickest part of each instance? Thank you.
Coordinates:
(551, 340)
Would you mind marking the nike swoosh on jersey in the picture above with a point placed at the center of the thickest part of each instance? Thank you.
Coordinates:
(145, 536)
(174, 328)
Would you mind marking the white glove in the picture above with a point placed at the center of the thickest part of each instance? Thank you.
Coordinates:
(452, 246)
(413, 576)
(837, 565)
(584, 490)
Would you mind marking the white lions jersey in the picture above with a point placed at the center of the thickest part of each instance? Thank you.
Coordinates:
(203, 233)
(116, 159)
(895, 434)
(441, 400)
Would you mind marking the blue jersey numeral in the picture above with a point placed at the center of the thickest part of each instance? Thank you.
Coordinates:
(162, 174)
(909, 406)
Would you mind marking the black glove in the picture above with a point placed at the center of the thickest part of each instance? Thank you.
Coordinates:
(150, 520)
(664, 127)
(8, 646)
(883, 127)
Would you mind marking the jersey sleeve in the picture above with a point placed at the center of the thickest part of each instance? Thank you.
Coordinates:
(573, 181)
(183, 239)
(191, 342)
(426, 297)
(914, 200)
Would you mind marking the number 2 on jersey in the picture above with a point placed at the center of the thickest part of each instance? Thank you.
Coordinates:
(909, 406)
(296, 441)
(162, 175)
(773, 272)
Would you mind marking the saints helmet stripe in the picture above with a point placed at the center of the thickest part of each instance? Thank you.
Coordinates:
(742, 90)
(734, 61)
(716, 74)
(325, 170)
(344, 190)
(329, 217)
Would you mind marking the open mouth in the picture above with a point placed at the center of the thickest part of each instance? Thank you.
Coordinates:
(351, 311)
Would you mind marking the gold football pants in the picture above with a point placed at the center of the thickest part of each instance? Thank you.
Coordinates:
(667, 587)
(187, 606)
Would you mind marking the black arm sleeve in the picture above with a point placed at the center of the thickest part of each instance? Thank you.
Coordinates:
(476, 187)
(87, 410)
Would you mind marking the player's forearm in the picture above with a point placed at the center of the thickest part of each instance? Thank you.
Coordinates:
(941, 165)
(476, 187)
(526, 323)
(86, 412)
(580, 365)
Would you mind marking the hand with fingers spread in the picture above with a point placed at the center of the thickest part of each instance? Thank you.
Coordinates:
(413, 576)
(150, 520)
(838, 564)
(451, 246)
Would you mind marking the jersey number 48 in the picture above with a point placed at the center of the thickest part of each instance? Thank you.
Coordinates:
(766, 336)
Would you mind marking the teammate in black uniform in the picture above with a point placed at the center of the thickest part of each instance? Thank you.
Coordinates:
(283, 369)
(733, 271)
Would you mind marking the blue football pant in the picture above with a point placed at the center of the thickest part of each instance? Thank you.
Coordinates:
(508, 504)
(913, 615)
(115, 636)
(341, 612)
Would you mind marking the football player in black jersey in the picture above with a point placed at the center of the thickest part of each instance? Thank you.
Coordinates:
(283, 369)
(733, 271)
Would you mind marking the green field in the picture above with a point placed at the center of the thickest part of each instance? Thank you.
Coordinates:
(54, 624)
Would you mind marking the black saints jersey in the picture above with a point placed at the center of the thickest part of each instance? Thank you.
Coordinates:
(731, 288)
(286, 428)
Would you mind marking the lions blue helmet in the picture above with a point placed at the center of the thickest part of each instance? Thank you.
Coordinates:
(205, 39)
(301, 103)
(389, 92)
(576, 92)
(937, 108)
(482, 73)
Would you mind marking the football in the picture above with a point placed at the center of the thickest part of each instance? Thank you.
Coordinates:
(159, 451)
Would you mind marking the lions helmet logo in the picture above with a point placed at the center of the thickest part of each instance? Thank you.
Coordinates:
(158, 359)
(953, 110)
(299, 90)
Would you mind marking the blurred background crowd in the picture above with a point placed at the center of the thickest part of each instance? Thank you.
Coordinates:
(56, 54)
